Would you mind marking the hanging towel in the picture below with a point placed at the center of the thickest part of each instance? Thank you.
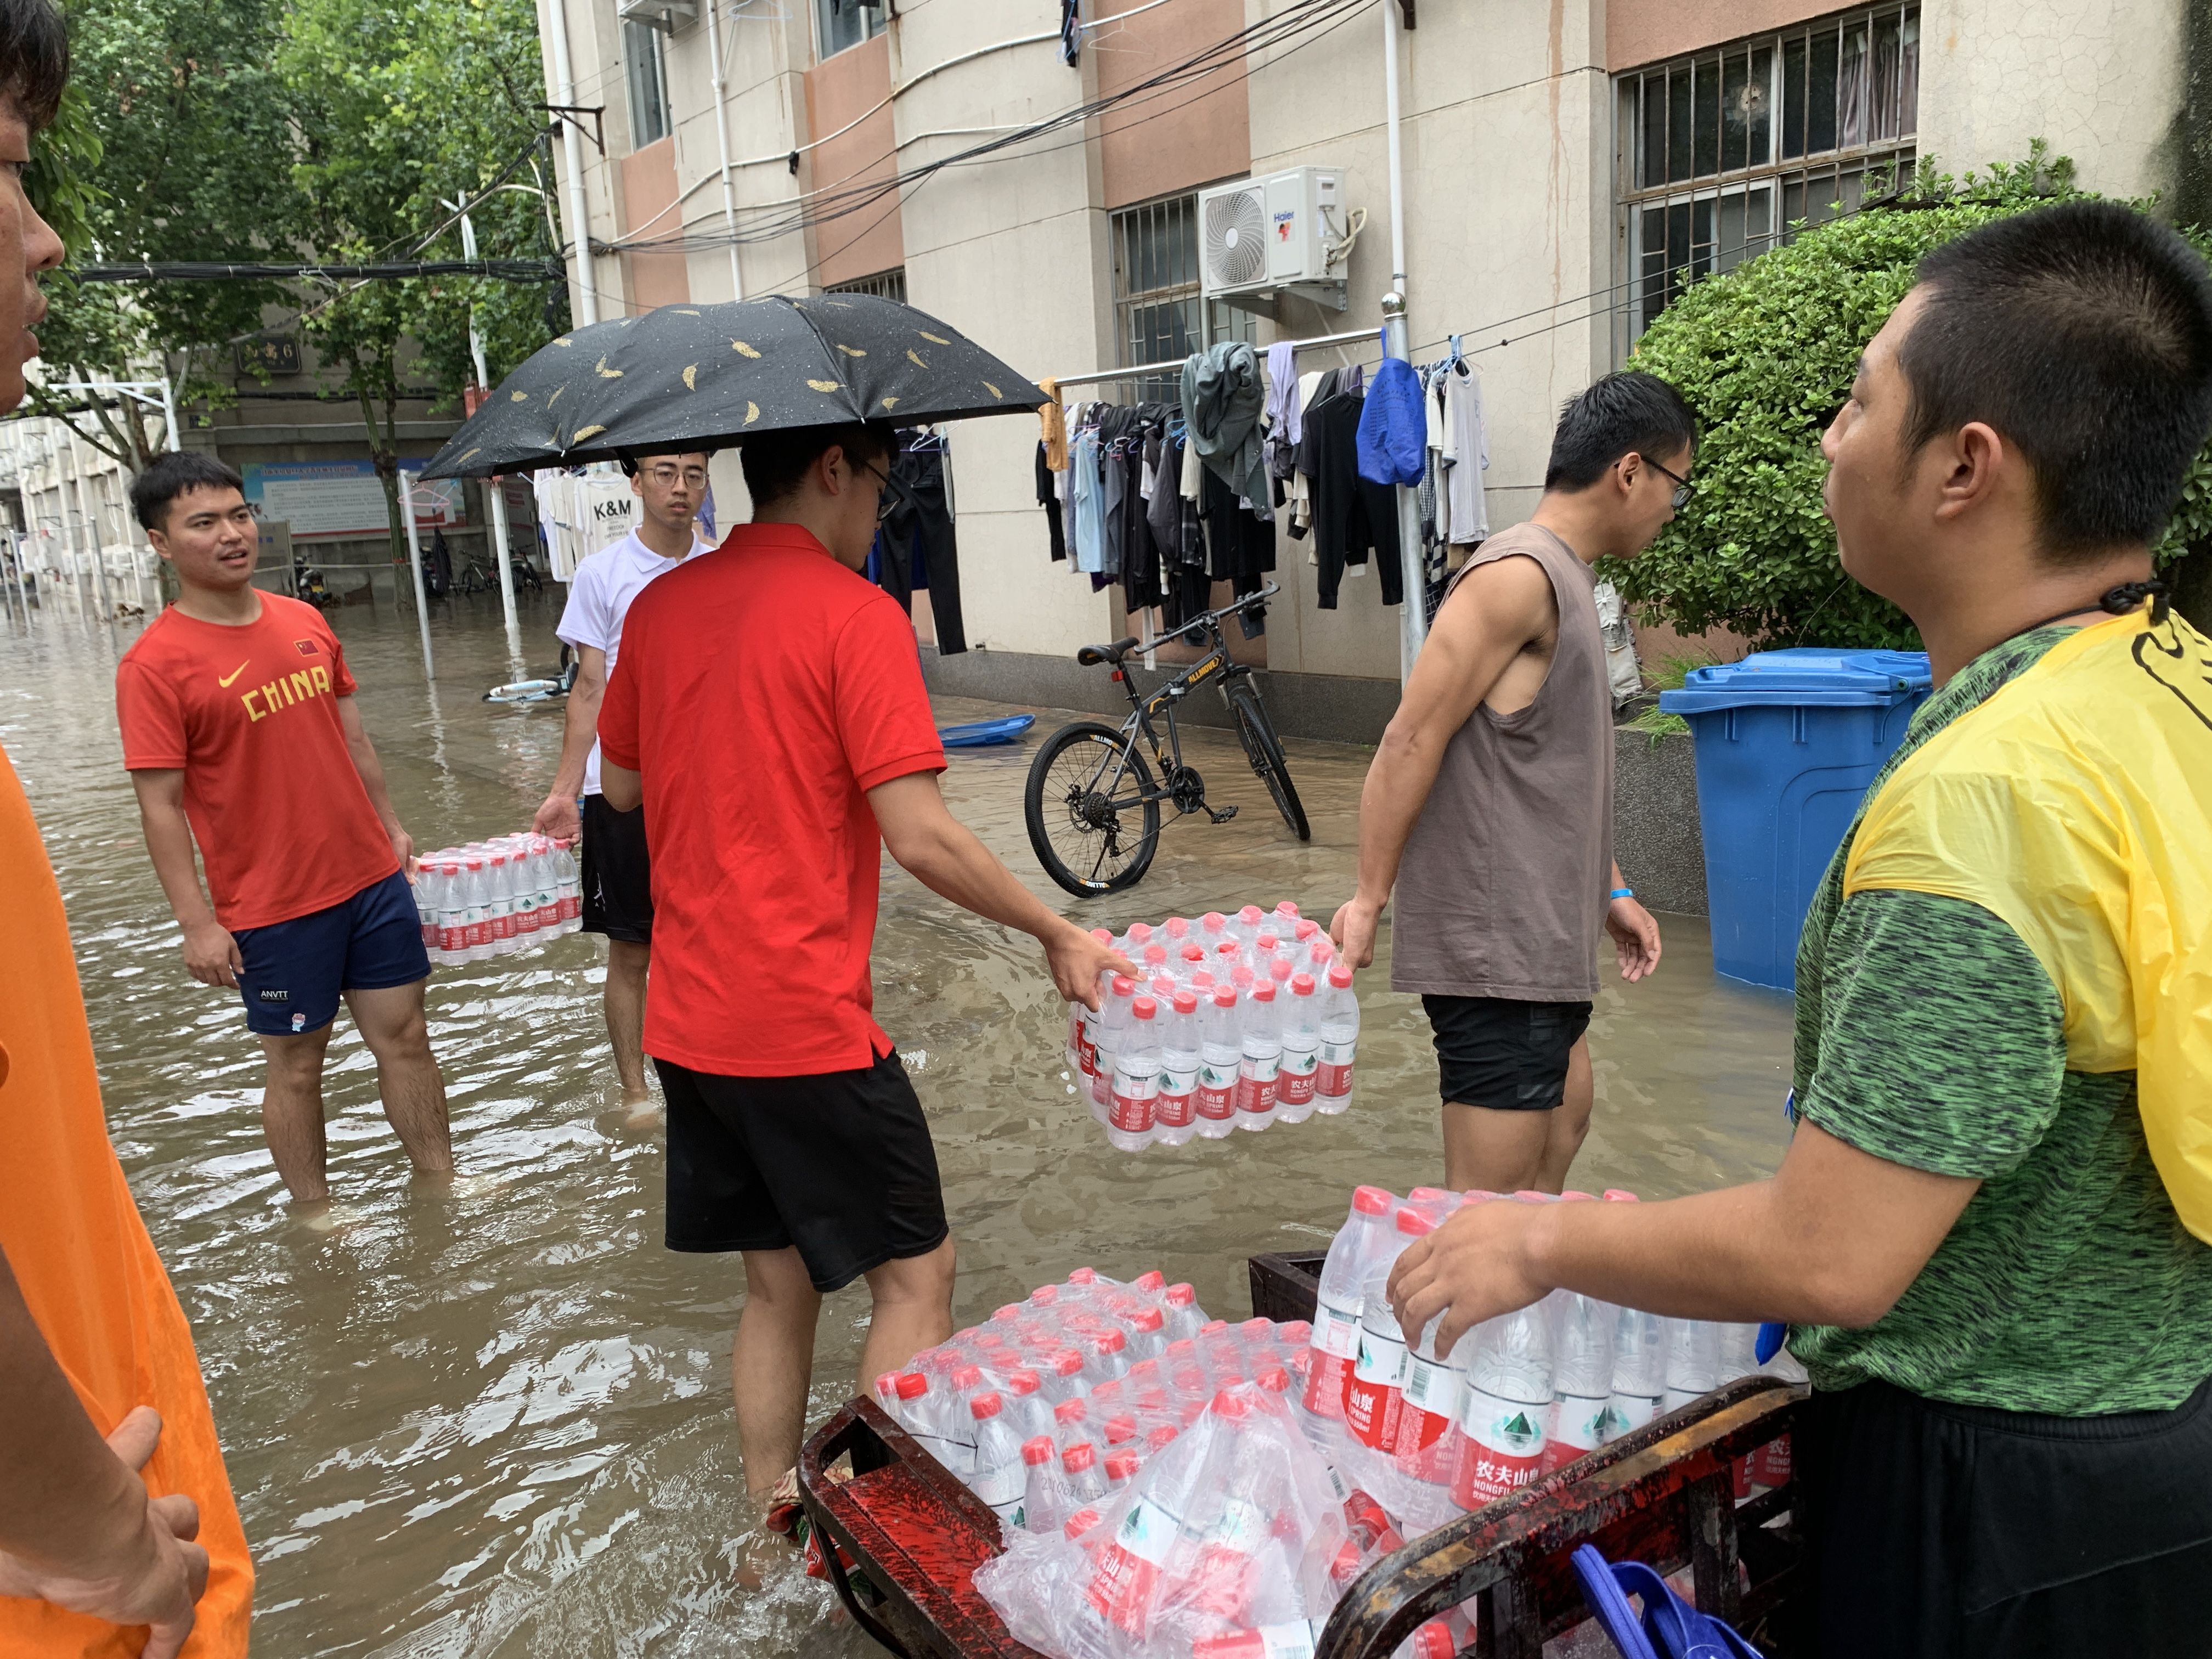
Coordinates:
(1222, 400)
(1055, 420)
(1393, 427)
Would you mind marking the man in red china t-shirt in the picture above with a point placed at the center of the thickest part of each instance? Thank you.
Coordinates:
(240, 732)
(770, 712)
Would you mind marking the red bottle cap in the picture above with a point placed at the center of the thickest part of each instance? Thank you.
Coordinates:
(913, 1385)
(1066, 1362)
(1178, 926)
(1305, 930)
(1139, 931)
(1084, 1276)
(1023, 1382)
(1124, 985)
(1164, 988)
(1149, 1282)
(1180, 1295)
(1213, 921)
(1110, 1342)
(986, 1404)
(1069, 1410)
(1250, 912)
(1079, 1457)
(1212, 1326)
(1302, 985)
(1225, 996)
(1186, 1002)
(1415, 1223)
(1078, 1523)
(1264, 991)
(1193, 953)
(1038, 1450)
(1143, 1008)
(1102, 936)
(1148, 1320)
(965, 1377)
(1155, 955)
(1274, 1380)
(1161, 1437)
(1121, 1465)
(1339, 975)
(1266, 944)
(1120, 1428)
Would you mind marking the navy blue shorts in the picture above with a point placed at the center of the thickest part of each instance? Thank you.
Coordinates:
(294, 970)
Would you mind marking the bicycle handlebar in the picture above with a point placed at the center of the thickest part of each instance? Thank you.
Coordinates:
(1212, 616)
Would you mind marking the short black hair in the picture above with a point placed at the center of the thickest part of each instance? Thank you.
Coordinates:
(171, 474)
(2082, 333)
(1630, 412)
(775, 462)
(631, 458)
(35, 60)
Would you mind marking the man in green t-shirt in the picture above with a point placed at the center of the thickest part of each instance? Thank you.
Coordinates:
(2009, 1447)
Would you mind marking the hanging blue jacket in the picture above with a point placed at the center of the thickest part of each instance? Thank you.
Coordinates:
(1393, 429)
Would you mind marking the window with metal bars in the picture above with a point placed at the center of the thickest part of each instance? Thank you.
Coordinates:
(1723, 153)
(839, 24)
(648, 83)
(885, 285)
(1159, 313)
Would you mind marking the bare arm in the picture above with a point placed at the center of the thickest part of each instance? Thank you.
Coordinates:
(943, 855)
(210, 954)
(558, 816)
(372, 779)
(78, 1528)
(1489, 620)
(620, 787)
(1834, 1238)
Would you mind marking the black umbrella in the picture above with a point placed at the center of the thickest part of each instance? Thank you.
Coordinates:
(718, 373)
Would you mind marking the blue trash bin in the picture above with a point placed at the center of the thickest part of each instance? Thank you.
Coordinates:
(1787, 742)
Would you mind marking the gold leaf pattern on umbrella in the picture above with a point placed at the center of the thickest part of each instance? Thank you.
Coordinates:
(890, 403)
(563, 340)
(992, 390)
(556, 397)
(518, 397)
(743, 349)
(606, 373)
(685, 311)
(752, 413)
(584, 432)
(824, 385)
(934, 339)
(852, 351)
(691, 377)
(471, 451)
(914, 357)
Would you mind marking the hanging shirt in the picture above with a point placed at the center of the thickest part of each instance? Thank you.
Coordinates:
(600, 596)
(83, 1261)
(1085, 490)
(250, 715)
(1467, 453)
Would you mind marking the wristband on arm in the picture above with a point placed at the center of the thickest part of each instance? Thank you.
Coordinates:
(1621, 892)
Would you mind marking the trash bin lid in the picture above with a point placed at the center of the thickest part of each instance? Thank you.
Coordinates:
(1805, 677)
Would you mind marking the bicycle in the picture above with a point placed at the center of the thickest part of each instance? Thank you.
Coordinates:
(1091, 804)
(477, 578)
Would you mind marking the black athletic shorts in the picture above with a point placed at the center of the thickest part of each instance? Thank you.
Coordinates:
(617, 877)
(1971, 1533)
(839, 1164)
(1510, 1056)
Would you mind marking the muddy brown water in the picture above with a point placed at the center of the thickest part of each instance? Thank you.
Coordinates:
(497, 1422)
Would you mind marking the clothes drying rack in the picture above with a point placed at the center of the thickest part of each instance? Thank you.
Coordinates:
(1147, 371)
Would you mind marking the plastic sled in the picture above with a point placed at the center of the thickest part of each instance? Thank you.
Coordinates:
(979, 734)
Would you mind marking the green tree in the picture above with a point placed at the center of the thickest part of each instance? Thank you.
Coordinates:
(402, 107)
(1765, 353)
(163, 150)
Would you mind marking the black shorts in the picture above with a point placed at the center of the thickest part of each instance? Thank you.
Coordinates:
(1510, 1056)
(617, 877)
(839, 1164)
(1955, 1530)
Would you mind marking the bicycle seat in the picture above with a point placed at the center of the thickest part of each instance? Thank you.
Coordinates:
(1091, 655)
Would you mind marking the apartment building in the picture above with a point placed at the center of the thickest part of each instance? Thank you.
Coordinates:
(1562, 166)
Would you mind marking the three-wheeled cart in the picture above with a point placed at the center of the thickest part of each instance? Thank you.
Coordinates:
(914, 1535)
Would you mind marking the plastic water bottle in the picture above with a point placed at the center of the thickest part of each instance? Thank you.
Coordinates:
(1000, 1478)
(1508, 1395)
(1295, 1088)
(1113, 1023)
(1245, 929)
(1262, 1059)
(1046, 1501)
(1183, 1313)
(1373, 1392)
(1136, 1078)
(1693, 1361)
(1339, 1042)
(499, 903)
(1220, 1056)
(426, 907)
(477, 911)
(1639, 1371)
(1082, 1023)
(1176, 1115)
(1335, 1338)
(1087, 1485)
(1583, 1331)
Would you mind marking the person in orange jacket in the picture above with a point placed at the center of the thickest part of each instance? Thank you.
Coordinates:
(119, 1535)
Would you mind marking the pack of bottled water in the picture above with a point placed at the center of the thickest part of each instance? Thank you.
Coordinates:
(1155, 1489)
(492, 897)
(1518, 1397)
(1233, 1021)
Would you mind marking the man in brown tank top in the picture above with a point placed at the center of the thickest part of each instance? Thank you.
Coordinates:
(1487, 814)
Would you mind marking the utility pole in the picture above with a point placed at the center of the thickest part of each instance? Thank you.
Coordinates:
(495, 491)
(723, 144)
(572, 148)
(415, 565)
(1413, 608)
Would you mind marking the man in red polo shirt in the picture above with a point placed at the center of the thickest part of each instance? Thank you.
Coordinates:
(240, 733)
(770, 712)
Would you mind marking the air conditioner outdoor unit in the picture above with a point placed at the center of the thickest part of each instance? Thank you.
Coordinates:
(1265, 236)
(663, 14)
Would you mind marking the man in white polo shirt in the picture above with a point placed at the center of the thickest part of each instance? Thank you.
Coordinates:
(617, 891)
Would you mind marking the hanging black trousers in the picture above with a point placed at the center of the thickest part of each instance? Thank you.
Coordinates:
(923, 534)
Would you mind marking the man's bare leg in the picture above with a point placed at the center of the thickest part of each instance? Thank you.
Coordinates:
(913, 1310)
(392, 1024)
(771, 1364)
(292, 1113)
(1570, 1122)
(1490, 1150)
(626, 963)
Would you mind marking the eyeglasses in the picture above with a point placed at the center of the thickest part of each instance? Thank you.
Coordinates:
(1682, 483)
(893, 495)
(667, 477)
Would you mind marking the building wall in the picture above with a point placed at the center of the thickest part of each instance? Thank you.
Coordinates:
(1644, 34)
(854, 86)
(1178, 137)
(648, 190)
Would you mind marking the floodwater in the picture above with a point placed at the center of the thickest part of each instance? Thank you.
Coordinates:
(496, 1421)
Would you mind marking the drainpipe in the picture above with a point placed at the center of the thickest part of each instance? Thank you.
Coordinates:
(722, 142)
(572, 149)
(1413, 608)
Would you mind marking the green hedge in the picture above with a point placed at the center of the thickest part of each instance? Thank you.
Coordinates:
(1766, 354)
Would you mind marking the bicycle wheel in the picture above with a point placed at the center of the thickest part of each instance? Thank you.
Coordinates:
(1093, 815)
(1257, 733)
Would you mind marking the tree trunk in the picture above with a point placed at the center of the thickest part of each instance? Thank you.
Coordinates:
(384, 457)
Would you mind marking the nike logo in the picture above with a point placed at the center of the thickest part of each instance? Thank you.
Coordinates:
(226, 679)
